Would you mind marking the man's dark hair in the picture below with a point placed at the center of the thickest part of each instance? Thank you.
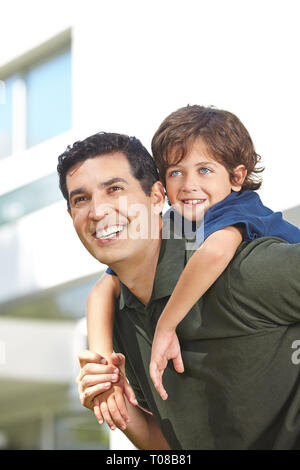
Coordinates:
(226, 139)
(141, 163)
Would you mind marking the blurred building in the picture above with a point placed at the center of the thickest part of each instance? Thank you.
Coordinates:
(45, 272)
(102, 70)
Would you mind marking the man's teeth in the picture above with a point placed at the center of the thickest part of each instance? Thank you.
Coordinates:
(109, 232)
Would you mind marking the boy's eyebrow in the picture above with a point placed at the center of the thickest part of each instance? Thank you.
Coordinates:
(196, 164)
(206, 163)
(103, 185)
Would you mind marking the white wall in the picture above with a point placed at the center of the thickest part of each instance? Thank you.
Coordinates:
(138, 61)
(38, 350)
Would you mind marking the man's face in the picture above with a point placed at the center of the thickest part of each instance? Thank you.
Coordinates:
(110, 211)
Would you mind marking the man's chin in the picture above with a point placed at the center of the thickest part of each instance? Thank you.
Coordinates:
(106, 255)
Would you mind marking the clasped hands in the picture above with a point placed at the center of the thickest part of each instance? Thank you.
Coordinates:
(103, 387)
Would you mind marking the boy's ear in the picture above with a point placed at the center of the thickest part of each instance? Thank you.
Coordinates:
(240, 173)
(157, 196)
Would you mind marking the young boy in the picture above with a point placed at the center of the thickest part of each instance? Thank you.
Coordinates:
(208, 165)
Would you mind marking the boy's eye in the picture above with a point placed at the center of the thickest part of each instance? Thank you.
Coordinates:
(205, 171)
(175, 173)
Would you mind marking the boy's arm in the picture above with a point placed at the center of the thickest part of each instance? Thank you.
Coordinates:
(100, 319)
(201, 271)
(100, 314)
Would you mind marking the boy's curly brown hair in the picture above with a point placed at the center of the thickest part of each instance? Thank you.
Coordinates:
(226, 138)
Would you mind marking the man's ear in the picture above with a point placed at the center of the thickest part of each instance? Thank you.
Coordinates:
(69, 211)
(158, 196)
(240, 173)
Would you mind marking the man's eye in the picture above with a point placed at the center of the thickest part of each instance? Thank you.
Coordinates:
(205, 171)
(113, 189)
(79, 199)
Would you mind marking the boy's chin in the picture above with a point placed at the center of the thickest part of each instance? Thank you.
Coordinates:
(192, 215)
(189, 217)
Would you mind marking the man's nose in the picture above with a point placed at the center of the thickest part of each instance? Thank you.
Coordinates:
(98, 208)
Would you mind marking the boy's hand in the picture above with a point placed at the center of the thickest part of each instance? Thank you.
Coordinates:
(111, 407)
(165, 347)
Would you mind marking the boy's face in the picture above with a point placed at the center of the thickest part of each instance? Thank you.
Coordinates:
(198, 182)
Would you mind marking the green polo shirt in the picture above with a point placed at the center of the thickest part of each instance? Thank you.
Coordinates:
(240, 347)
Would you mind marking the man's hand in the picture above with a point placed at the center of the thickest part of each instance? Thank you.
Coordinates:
(106, 399)
(165, 347)
(95, 377)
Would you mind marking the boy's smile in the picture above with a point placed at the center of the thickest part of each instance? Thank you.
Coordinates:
(198, 182)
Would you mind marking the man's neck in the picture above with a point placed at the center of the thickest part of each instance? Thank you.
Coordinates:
(138, 274)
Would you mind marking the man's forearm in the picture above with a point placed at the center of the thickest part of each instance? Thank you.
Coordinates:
(143, 430)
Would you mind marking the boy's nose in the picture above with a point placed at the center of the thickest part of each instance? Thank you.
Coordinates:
(190, 184)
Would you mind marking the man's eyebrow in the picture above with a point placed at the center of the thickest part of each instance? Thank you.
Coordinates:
(105, 184)
(117, 179)
(76, 191)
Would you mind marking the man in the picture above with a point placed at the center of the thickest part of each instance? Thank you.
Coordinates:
(240, 388)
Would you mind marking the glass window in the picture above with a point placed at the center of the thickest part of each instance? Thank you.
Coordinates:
(6, 117)
(48, 87)
(29, 198)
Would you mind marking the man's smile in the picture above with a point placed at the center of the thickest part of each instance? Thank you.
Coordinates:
(109, 232)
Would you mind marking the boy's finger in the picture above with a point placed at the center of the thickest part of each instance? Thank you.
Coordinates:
(115, 413)
(156, 377)
(117, 359)
(86, 356)
(106, 415)
(178, 364)
(161, 390)
(153, 371)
